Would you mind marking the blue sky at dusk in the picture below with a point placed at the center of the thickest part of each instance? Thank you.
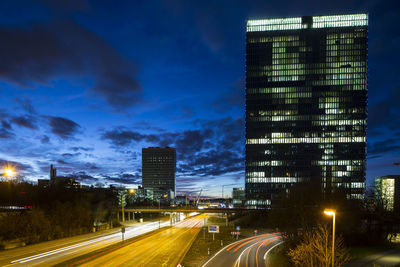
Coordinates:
(84, 85)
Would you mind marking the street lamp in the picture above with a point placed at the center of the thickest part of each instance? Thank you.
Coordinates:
(159, 200)
(131, 191)
(332, 213)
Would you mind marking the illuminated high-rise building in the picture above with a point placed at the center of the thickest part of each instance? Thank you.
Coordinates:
(306, 99)
(158, 168)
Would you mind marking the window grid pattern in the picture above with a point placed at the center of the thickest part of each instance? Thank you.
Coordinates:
(306, 96)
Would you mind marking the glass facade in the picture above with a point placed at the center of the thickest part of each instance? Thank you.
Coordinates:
(306, 99)
(158, 168)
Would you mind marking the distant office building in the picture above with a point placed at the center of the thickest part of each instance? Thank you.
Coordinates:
(144, 197)
(306, 97)
(238, 197)
(158, 168)
(62, 181)
(43, 183)
(387, 192)
(53, 175)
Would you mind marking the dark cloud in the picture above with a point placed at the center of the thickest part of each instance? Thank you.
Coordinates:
(213, 163)
(62, 162)
(26, 121)
(121, 136)
(67, 48)
(84, 177)
(124, 178)
(26, 104)
(6, 134)
(91, 166)
(214, 149)
(384, 125)
(63, 127)
(5, 125)
(20, 167)
(379, 148)
(45, 139)
(5, 130)
(68, 155)
(77, 148)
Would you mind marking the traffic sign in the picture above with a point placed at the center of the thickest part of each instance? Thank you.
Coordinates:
(213, 229)
(238, 228)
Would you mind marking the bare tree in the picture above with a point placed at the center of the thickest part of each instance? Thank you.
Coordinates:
(315, 249)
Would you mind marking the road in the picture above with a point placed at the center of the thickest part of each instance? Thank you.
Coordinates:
(57, 251)
(164, 248)
(251, 251)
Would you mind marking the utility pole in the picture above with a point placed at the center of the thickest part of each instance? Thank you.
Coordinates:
(122, 204)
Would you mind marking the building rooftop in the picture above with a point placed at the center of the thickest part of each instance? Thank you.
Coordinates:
(296, 23)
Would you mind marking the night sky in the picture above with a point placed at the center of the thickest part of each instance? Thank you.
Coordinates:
(85, 85)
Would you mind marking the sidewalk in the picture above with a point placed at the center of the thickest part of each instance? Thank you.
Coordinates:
(382, 259)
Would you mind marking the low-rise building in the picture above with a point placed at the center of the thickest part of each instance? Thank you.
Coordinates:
(387, 192)
(238, 197)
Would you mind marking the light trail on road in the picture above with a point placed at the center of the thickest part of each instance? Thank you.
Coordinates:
(163, 248)
(69, 251)
(245, 252)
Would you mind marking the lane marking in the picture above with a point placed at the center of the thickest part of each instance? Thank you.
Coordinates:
(249, 238)
(186, 224)
(55, 251)
(248, 242)
(219, 252)
(240, 256)
(266, 253)
(233, 244)
(264, 244)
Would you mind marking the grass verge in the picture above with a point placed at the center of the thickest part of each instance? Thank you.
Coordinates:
(278, 257)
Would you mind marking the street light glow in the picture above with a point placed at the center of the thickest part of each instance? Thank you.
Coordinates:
(8, 171)
(329, 212)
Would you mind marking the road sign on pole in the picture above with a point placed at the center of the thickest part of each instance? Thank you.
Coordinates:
(238, 228)
(213, 229)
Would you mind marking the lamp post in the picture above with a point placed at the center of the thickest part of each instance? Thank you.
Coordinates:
(332, 213)
(131, 191)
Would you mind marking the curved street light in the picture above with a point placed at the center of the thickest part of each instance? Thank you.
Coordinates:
(332, 213)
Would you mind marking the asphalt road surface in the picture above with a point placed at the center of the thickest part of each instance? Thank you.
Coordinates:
(57, 251)
(164, 248)
(252, 251)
